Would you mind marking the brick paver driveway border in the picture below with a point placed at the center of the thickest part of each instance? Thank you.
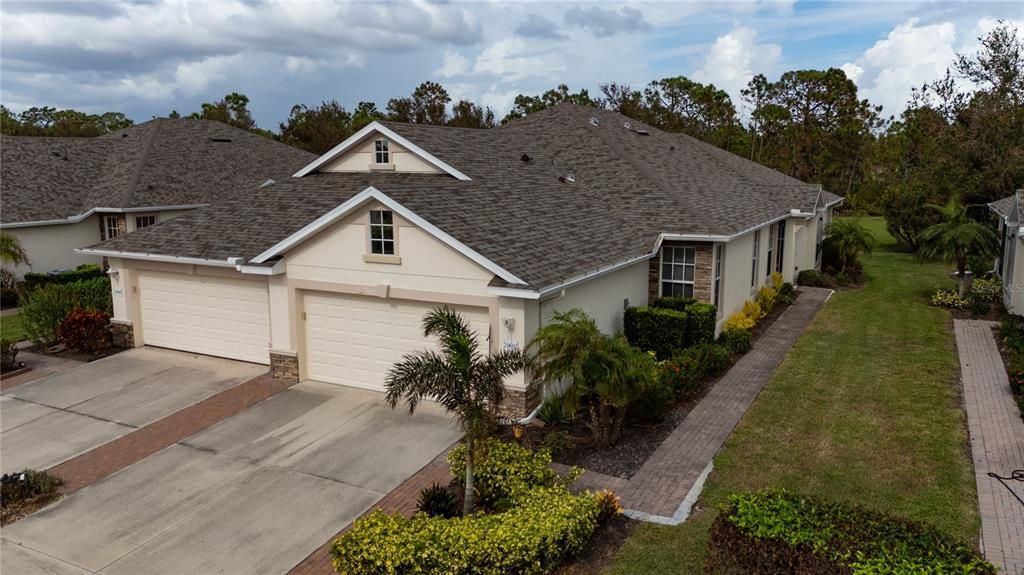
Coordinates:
(997, 443)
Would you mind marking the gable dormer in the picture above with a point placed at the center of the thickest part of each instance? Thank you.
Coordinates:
(377, 148)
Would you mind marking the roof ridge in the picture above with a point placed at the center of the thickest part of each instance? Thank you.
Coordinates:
(126, 197)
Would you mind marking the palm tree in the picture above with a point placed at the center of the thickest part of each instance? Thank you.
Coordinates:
(11, 250)
(956, 238)
(849, 239)
(465, 381)
(604, 369)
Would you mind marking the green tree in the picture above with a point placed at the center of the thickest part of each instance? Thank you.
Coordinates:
(233, 110)
(604, 371)
(50, 121)
(524, 104)
(11, 250)
(466, 114)
(703, 111)
(465, 381)
(427, 105)
(956, 239)
(317, 129)
(366, 113)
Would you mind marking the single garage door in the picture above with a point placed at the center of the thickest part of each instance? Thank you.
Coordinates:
(354, 340)
(214, 316)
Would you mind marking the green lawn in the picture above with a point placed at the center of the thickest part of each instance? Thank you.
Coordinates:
(866, 408)
(10, 328)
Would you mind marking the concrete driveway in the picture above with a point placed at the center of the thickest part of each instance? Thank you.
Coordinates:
(253, 494)
(51, 420)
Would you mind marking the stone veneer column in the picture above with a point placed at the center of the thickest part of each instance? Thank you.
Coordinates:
(520, 402)
(284, 366)
(122, 334)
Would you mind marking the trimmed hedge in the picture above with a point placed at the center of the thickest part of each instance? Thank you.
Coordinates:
(776, 531)
(47, 306)
(504, 470)
(660, 330)
(81, 273)
(700, 323)
(544, 527)
(674, 302)
(814, 278)
(692, 368)
(737, 340)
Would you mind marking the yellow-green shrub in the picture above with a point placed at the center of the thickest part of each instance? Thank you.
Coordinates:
(503, 470)
(545, 525)
(766, 297)
(777, 281)
(738, 321)
(753, 310)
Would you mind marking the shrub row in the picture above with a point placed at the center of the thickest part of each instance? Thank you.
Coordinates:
(1012, 332)
(814, 278)
(775, 531)
(659, 330)
(49, 305)
(692, 368)
(983, 294)
(29, 484)
(540, 523)
(81, 273)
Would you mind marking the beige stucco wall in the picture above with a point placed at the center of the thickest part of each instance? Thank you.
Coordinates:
(361, 158)
(736, 274)
(53, 247)
(603, 298)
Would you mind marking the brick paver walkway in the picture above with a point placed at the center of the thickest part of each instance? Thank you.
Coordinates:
(997, 443)
(106, 459)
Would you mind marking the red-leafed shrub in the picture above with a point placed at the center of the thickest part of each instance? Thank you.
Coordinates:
(85, 331)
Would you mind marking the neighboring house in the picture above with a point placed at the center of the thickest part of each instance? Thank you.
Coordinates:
(327, 275)
(62, 193)
(1009, 266)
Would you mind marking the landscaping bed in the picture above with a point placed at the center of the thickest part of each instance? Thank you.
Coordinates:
(22, 494)
(65, 353)
(1010, 339)
(603, 545)
(572, 443)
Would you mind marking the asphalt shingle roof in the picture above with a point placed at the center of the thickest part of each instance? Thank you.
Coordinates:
(629, 188)
(1003, 206)
(160, 163)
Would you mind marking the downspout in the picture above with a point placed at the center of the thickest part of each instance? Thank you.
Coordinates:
(540, 317)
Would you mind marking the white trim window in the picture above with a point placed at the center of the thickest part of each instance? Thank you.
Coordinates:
(381, 151)
(382, 232)
(753, 262)
(678, 267)
(144, 221)
(771, 250)
(717, 286)
(111, 228)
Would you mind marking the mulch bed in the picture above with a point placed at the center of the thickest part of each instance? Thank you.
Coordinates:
(1004, 352)
(64, 353)
(601, 548)
(996, 313)
(15, 511)
(638, 442)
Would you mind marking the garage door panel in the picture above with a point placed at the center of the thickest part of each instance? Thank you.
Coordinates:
(214, 316)
(354, 340)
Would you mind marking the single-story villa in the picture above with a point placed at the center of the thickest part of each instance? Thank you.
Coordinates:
(62, 193)
(1008, 265)
(326, 275)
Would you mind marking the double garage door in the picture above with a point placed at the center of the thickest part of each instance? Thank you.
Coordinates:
(224, 317)
(354, 340)
(348, 339)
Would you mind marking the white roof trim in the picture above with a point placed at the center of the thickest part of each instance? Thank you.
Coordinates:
(377, 127)
(156, 258)
(372, 193)
(277, 269)
(79, 217)
(513, 292)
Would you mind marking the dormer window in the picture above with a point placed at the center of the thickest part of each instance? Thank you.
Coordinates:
(381, 154)
(382, 232)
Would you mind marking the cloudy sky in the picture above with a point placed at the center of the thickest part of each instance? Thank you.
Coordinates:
(147, 57)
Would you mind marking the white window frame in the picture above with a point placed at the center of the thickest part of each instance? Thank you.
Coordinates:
(381, 151)
(753, 263)
(684, 250)
(150, 219)
(107, 227)
(382, 241)
(771, 251)
(717, 280)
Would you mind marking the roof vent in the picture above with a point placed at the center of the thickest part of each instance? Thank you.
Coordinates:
(525, 158)
(642, 132)
(594, 121)
(568, 178)
(220, 139)
(671, 148)
(627, 125)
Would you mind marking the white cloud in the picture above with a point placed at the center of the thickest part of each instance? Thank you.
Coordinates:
(193, 78)
(910, 55)
(853, 71)
(734, 58)
(454, 64)
(513, 59)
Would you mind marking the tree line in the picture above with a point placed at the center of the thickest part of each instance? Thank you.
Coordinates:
(950, 142)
